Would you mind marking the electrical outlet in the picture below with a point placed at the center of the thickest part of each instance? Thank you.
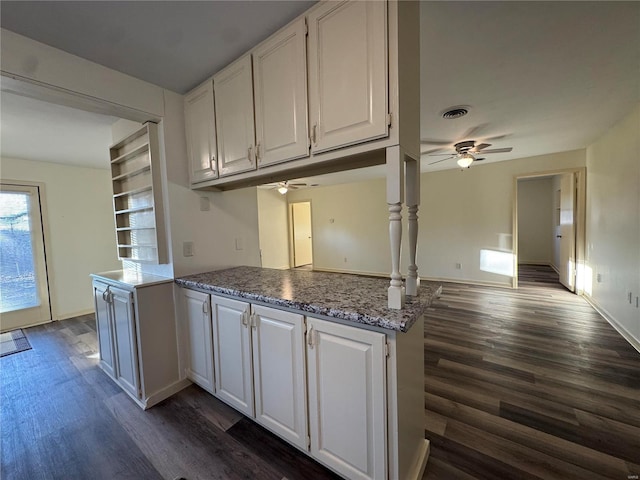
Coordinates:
(630, 296)
(599, 278)
(239, 244)
(458, 266)
(187, 249)
(345, 259)
(204, 204)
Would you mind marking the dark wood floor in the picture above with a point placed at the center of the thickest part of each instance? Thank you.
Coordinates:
(526, 384)
(519, 384)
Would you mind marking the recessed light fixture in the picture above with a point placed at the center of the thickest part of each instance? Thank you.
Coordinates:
(455, 112)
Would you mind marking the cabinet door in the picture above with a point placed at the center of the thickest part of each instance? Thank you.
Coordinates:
(103, 326)
(347, 398)
(280, 373)
(232, 353)
(200, 128)
(126, 346)
(233, 89)
(347, 73)
(280, 87)
(197, 315)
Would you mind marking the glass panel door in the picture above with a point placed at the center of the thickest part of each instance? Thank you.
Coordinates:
(24, 295)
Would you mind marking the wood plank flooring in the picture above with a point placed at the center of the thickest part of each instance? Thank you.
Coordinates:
(519, 384)
(528, 383)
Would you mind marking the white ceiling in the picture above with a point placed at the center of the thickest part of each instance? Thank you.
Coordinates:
(540, 77)
(34, 130)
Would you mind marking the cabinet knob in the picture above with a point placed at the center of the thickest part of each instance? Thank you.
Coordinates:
(310, 338)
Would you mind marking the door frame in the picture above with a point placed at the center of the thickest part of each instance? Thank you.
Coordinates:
(292, 231)
(46, 238)
(579, 219)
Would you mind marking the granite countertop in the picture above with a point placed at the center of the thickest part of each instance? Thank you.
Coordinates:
(354, 298)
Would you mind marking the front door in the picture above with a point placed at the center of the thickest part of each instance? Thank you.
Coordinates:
(567, 235)
(24, 292)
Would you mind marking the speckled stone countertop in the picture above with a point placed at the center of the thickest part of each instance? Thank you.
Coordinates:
(354, 298)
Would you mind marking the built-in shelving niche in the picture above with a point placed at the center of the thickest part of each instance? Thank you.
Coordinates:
(137, 196)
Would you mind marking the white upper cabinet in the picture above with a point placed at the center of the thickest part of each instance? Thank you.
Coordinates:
(200, 128)
(348, 99)
(280, 88)
(233, 92)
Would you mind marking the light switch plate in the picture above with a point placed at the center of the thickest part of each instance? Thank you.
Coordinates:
(187, 249)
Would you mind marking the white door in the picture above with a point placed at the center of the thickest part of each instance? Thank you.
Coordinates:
(233, 91)
(280, 373)
(567, 266)
(232, 353)
(103, 326)
(280, 87)
(347, 73)
(347, 398)
(126, 347)
(24, 292)
(197, 314)
(302, 238)
(200, 125)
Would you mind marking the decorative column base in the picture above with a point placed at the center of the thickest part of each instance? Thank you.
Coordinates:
(412, 285)
(396, 298)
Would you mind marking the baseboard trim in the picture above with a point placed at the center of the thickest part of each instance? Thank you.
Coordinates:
(635, 343)
(467, 282)
(416, 472)
(165, 393)
(67, 316)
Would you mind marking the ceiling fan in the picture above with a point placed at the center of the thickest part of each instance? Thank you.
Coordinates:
(467, 152)
(284, 187)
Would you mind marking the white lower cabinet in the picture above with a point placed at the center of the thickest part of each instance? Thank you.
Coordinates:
(279, 369)
(197, 307)
(347, 398)
(320, 385)
(124, 335)
(137, 337)
(232, 353)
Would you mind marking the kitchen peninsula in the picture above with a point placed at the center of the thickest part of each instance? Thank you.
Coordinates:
(318, 359)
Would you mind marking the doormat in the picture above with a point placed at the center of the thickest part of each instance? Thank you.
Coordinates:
(13, 342)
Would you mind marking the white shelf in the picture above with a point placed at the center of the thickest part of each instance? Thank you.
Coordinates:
(132, 154)
(137, 155)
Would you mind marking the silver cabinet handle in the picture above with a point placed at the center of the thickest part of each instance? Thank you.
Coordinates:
(314, 132)
(310, 338)
(249, 154)
(212, 163)
(258, 155)
(254, 321)
(245, 321)
(205, 307)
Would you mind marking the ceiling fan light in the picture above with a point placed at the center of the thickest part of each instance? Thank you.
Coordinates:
(282, 190)
(465, 160)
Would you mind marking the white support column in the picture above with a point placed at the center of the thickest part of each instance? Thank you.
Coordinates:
(395, 197)
(413, 200)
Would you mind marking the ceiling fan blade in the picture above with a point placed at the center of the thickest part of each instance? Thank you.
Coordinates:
(438, 161)
(440, 154)
(479, 159)
(428, 141)
(292, 187)
(498, 150)
(480, 146)
(297, 184)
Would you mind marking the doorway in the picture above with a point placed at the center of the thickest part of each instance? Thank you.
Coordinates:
(24, 288)
(301, 234)
(548, 227)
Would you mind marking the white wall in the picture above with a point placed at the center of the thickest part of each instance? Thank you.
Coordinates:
(613, 223)
(536, 230)
(350, 226)
(80, 226)
(233, 215)
(273, 229)
(465, 217)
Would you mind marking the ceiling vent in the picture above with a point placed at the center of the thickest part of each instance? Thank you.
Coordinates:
(455, 112)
